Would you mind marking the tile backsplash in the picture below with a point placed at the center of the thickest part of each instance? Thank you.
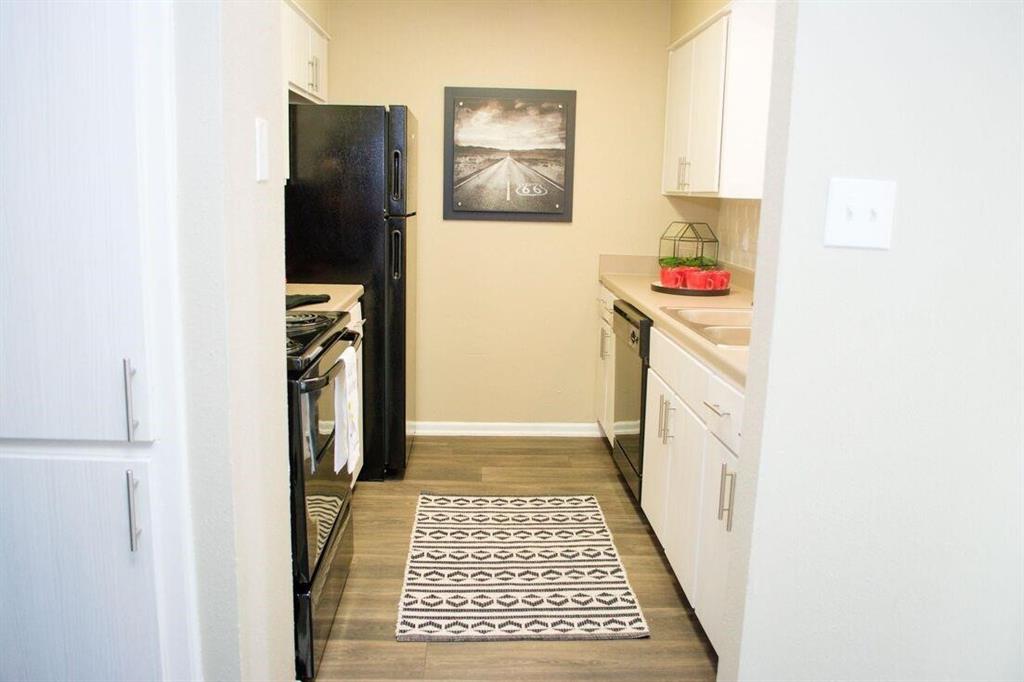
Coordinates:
(737, 231)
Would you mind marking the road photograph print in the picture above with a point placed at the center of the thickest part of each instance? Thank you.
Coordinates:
(510, 154)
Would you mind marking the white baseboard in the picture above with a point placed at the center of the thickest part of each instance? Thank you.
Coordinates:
(537, 429)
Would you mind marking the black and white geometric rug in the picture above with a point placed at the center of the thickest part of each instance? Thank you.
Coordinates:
(504, 568)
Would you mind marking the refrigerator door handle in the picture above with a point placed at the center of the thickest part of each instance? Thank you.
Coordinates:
(396, 175)
(396, 254)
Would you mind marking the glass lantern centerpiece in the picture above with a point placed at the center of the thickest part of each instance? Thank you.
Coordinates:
(689, 245)
(688, 259)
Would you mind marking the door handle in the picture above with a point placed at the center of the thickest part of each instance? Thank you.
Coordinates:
(716, 408)
(665, 434)
(129, 399)
(679, 173)
(396, 174)
(312, 85)
(133, 524)
(686, 172)
(396, 254)
(721, 492)
(661, 417)
(732, 501)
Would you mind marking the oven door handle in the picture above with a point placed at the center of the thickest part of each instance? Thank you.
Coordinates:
(318, 383)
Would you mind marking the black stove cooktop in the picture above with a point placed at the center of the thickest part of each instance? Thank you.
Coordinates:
(307, 333)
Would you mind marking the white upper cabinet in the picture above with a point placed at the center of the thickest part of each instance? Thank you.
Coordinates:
(716, 116)
(86, 173)
(305, 53)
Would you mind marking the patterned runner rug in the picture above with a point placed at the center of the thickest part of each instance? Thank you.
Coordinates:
(494, 568)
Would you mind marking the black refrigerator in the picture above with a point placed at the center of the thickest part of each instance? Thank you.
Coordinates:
(350, 207)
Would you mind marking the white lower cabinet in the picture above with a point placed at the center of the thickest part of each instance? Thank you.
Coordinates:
(77, 593)
(671, 492)
(682, 510)
(715, 527)
(654, 489)
(689, 474)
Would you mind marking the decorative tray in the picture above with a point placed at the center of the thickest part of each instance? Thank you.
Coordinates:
(682, 291)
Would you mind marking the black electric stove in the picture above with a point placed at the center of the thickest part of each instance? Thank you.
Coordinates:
(321, 497)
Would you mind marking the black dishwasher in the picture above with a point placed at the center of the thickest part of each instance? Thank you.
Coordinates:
(632, 352)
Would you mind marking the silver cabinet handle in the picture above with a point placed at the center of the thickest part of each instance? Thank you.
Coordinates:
(661, 417)
(312, 86)
(129, 401)
(716, 408)
(665, 434)
(679, 173)
(732, 501)
(133, 524)
(686, 172)
(316, 72)
(721, 492)
(604, 337)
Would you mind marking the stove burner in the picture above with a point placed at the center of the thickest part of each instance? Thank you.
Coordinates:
(293, 347)
(300, 324)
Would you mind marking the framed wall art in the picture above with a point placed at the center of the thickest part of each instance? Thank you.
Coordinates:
(508, 154)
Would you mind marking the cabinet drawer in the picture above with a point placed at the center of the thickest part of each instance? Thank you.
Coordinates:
(723, 411)
(680, 370)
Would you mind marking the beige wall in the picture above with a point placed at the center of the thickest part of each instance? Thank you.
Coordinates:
(505, 321)
(687, 14)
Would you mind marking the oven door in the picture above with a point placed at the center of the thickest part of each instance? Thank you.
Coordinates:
(319, 492)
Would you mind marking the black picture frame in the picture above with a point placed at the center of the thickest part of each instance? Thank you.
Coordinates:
(530, 175)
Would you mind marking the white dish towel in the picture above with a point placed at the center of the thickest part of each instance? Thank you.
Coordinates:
(348, 446)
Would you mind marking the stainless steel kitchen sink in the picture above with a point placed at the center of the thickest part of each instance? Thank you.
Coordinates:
(712, 317)
(726, 336)
(729, 327)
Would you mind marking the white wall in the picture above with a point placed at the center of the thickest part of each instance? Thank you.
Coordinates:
(885, 538)
(232, 292)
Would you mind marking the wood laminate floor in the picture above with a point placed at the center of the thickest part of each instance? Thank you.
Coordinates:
(363, 645)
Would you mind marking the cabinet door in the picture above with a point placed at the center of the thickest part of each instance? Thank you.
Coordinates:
(654, 488)
(318, 55)
(687, 435)
(677, 117)
(609, 386)
(712, 556)
(77, 601)
(84, 160)
(705, 139)
(298, 61)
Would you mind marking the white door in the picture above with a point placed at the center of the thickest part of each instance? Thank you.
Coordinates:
(83, 164)
(713, 553)
(654, 487)
(677, 117)
(682, 509)
(77, 602)
(705, 140)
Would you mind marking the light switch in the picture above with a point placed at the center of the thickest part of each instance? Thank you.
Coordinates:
(262, 141)
(859, 213)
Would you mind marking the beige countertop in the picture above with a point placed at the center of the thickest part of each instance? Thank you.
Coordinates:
(343, 296)
(636, 290)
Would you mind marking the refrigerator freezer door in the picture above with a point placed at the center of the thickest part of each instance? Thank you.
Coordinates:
(403, 134)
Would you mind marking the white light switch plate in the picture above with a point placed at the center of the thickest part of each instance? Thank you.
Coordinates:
(859, 213)
(262, 151)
